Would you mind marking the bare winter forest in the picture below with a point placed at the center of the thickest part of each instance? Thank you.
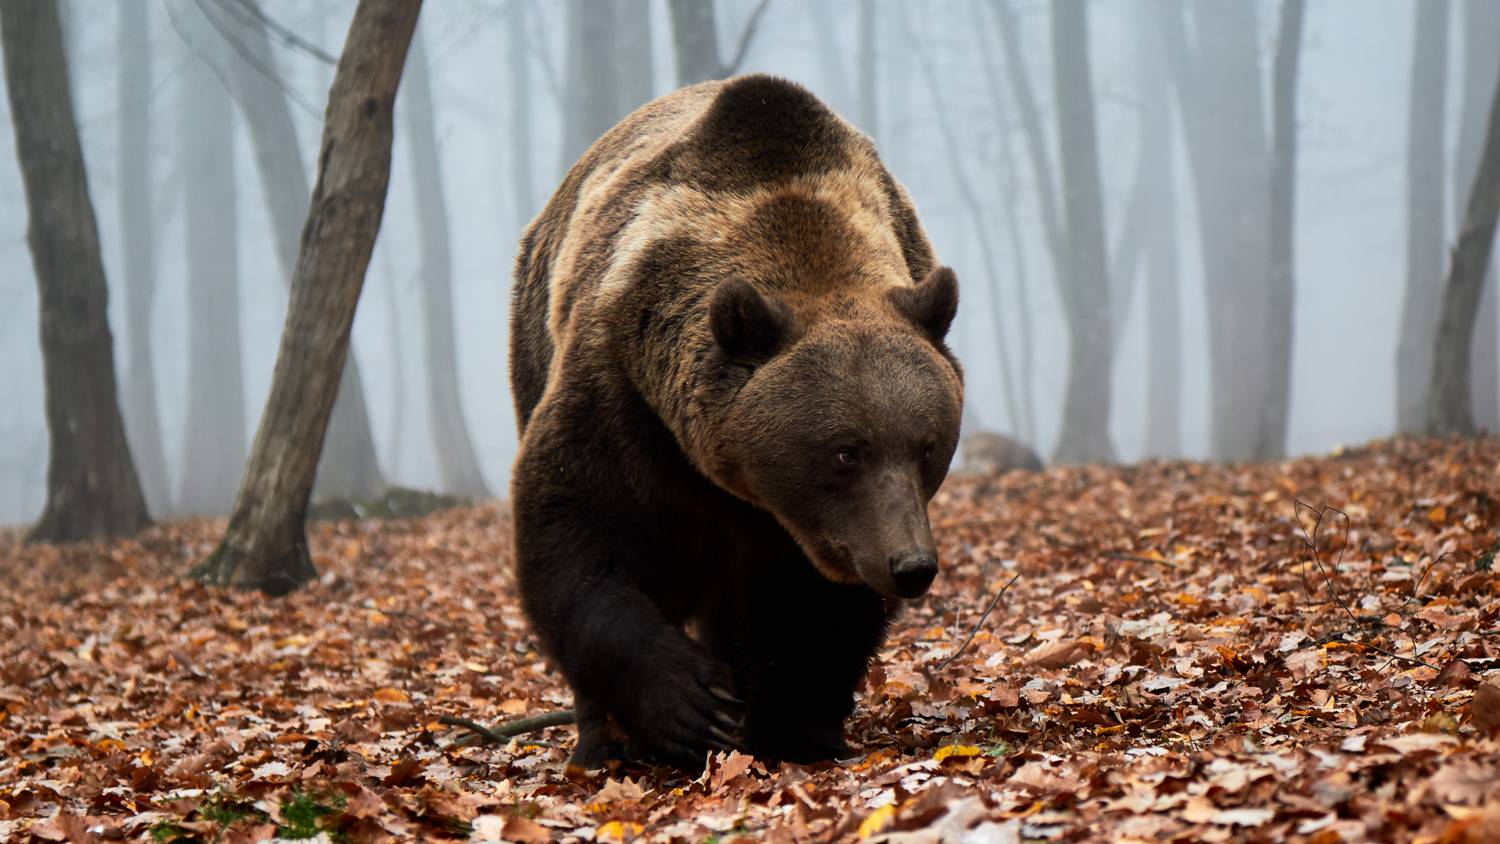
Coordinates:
(1228, 303)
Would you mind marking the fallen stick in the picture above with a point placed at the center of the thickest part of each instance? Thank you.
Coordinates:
(510, 729)
(987, 610)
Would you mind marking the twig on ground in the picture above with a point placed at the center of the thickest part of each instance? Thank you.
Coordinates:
(509, 729)
(987, 610)
(1311, 541)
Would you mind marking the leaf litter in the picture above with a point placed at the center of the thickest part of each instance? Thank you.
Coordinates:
(1306, 649)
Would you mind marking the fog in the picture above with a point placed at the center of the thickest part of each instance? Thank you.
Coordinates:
(947, 123)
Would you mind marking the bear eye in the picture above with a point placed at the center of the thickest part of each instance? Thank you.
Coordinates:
(847, 456)
(927, 451)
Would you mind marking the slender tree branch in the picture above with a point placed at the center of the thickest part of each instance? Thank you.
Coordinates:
(987, 610)
(510, 729)
(746, 36)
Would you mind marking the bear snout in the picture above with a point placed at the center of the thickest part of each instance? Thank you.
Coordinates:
(913, 573)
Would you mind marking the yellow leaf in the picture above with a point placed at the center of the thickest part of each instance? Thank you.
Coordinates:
(109, 745)
(884, 754)
(956, 750)
(618, 831)
(390, 695)
(1110, 730)
(877, 821)
(1437, 515)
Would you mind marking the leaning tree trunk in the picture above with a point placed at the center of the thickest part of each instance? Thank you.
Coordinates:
(92, 488)
(1281, 290)
(1450, 410)
(457, 463)
(1424, 214)
(636, 73)
(213, 452)
(1481, 65)
(266, 544)
(138, 241)
(348, 467)
(1085, 290)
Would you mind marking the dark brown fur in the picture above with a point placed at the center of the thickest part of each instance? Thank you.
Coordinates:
(735, 402)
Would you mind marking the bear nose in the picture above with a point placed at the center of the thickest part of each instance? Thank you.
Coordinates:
(913, 573)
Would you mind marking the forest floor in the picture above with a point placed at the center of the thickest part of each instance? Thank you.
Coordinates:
(1185, 654)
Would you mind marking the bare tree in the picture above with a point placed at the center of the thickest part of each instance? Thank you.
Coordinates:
(92, 487)
(1425, 207)
(695, 37)
(138, 243)
(1085, 289)
(637, 72)
(266, 543)
(590, 99)
(1450, 410)
(1229, 159)
(1162, 262)
(213, 454)
(521, 190)
(975, 212)
(1481, 65)
(1281, 290)
(349, 467)
(457, 463)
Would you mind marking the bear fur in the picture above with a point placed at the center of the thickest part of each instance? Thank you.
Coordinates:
(735, 403)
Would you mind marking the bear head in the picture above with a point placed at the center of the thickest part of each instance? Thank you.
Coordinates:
(845, 425)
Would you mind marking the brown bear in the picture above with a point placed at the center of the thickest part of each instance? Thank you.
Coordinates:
(735, 403)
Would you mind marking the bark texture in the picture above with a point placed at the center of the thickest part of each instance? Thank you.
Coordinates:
(1227, 151)
(1451, 410)
(457, 464)
(1425, 207)
(138, 247)
(1281, 290)
(1085, 288)
(591, 103)
(92, 487)
(266, 543)
(1481, 66)
(349, 467)
(214, 439)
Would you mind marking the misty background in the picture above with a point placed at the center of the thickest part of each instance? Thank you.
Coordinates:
(498, 92)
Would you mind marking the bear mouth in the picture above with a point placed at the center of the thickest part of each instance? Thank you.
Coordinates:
(834, 562)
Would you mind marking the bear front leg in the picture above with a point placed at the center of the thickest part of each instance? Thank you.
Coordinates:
(619, 653)
(799, 646)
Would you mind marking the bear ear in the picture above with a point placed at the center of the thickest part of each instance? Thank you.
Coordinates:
(746, 324)
(932, 304)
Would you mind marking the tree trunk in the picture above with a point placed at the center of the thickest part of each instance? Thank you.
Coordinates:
(457, 465)
(975, 213)
(92, 488)
(522, 192)
(1163, 286)
(1032, 131)
(1281, 290)
(1085, 289)
(213, 453)
(349, 467)
(590, 96)
(266, 544)
(138, 242)
(1227, 151)
(1481, 29)
(869, 78)
(637, 72)
(695, 37)
(1450, 410)
(1424, 214)
(1008, 186)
